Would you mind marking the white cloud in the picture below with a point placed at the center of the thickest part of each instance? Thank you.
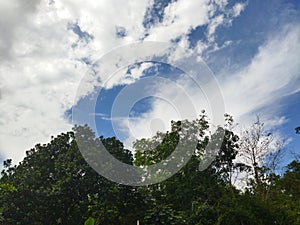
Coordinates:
(182, 16)
(275, 121)
(215, 22)
(14, 14)
(41, 66)
(238, 8)
(124, 77)
(175, 99)
(269, 76)
(102, 18)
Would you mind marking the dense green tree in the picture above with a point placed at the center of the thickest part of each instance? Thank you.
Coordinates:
(54, 185)
(194, 191)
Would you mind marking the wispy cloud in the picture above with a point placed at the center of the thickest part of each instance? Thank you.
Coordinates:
(271, 74)
(47, 48)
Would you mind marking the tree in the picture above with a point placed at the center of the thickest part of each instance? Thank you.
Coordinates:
(261, 151)
(193, 191)
(54, 185)
(284, 197)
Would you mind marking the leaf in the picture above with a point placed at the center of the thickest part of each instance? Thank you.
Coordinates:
(89, 221)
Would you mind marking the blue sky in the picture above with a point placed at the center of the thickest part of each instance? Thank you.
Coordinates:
(251, 47)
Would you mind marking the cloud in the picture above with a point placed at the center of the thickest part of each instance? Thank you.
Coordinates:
(13, 15)
(180, 17)
(270, 75)
(46, 48)
(105, 18)
(173, 98)
(238, 8)
(39, 74)
(127, 75)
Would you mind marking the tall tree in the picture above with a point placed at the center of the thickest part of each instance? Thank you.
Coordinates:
(194, 190)
(54, 185)
(261, 151)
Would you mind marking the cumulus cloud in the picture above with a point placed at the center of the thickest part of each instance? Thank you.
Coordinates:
(47, 47)
(181, 17)
(36, 77)
(14, 14)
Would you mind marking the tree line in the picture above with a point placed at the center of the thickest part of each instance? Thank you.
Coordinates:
(54, 184)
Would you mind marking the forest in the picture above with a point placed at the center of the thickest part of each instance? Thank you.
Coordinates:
(54, 184)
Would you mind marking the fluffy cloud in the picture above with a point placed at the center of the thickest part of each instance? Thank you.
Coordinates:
(39, 72)
(46, 48)
(181, 17)
(14, 14)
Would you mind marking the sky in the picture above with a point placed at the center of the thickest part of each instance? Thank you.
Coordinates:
(55, 56)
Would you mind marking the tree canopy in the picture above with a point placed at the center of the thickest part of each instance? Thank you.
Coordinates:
(55, 185)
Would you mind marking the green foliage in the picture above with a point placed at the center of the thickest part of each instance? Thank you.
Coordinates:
(54, 184)
(163, 214)
(89, 221)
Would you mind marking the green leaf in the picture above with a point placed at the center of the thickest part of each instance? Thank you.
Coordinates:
(89, 221)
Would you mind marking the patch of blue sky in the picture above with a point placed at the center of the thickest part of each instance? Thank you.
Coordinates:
(82, 35)
(106, 97)
(168, 71)
(68, 115)
(247, 33)
(155, 14)
(197, 34)
(86, 60)
(104, 104)
(158, 69)
(287, 114)
(290, 110)
(258, 22)
(141, 107)
(100, 114)
(121, 32)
